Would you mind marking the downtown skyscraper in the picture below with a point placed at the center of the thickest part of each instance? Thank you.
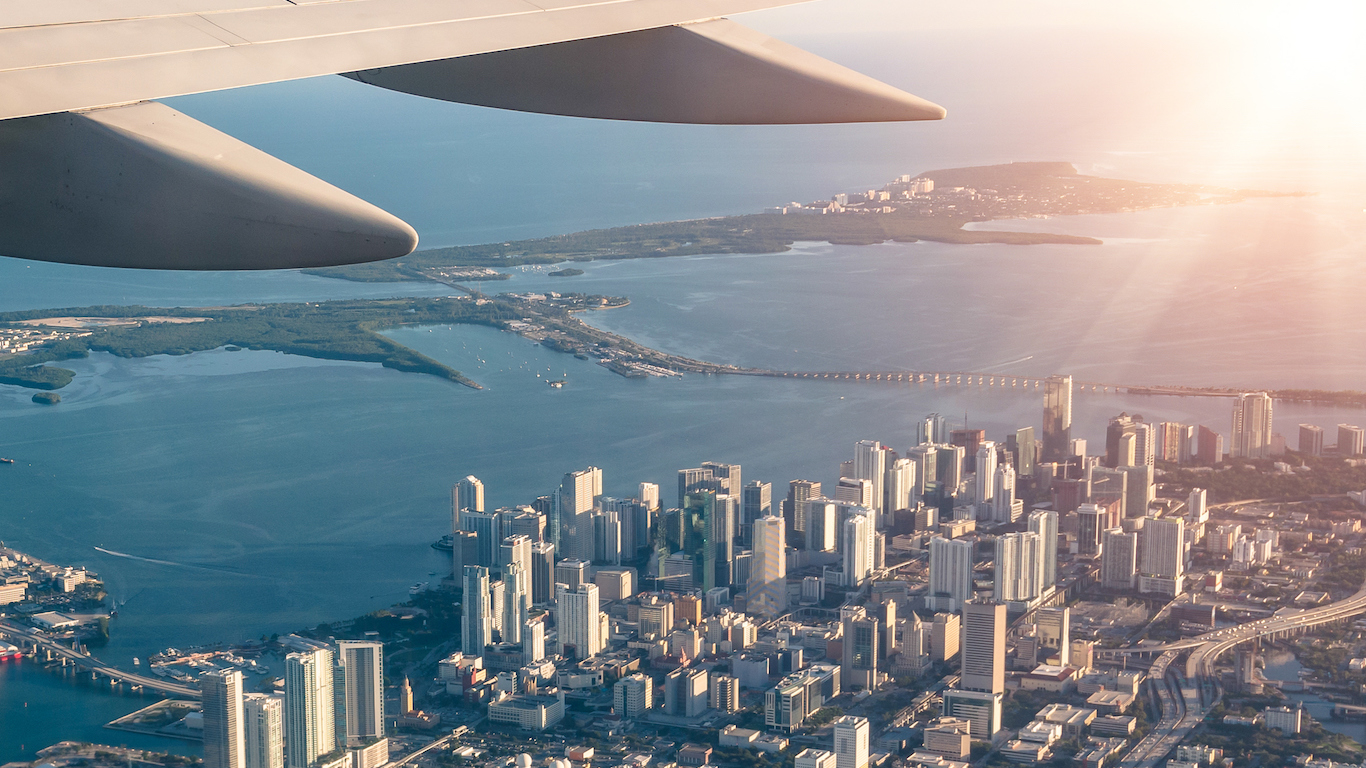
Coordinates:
(1251, 438)
(363, 690)
(767, 588)
(1057, 418)
(224, 735)
(476, 625)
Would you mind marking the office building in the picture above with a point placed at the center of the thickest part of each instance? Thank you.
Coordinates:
(224, 734)
(1044, 522)
(859, 665)
(858, 549)
(577, 620)
(571, 573)
(1119, 559)
(1023, 451)
(364, 690)
(1311, 440)
(632, 696)
(464, 551)
(932, 429)
(950, 462)
(310, 725)
(980, 708)
(264, 729)
(488, 527)
(1251, 438)
(1163, 547)
(1054, 633)
(924, 458)
(1107, 486)
(950, 573)
(950, 737)
(466, 494)
(969, 440)
(607, 527)
(685, 692)
(814, 758)
(1197, 507)
(476, 623)
(766, 593)
(1091, 524)
(542, 572)
(516, 548)
(870, 464)
(1057, 418)
(724, 693)
(1351, 440)
(1017, 567)
(794, 508)
(656, 616)
(757, 503)
(852, 736)
(946, 635)
(1140, 489)
(984, 647)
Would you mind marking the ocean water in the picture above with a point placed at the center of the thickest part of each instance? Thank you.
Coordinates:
(249, 493)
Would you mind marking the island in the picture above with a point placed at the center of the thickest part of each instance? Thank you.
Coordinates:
(934, 206)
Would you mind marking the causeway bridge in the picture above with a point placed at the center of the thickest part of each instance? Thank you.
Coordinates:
(32, 642)
(976, 379)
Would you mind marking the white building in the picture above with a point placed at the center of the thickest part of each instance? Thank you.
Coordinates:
(632, 696)
(1251, 427)
(767, 589)
(1017, 567)
(815, 758)
(1164, 553)
(858, 549)
(950, 573)
(851, 742)
(476, 623)
(310, 728)
(466, 494)
(985, 482)
(870, 463)
(263, 718)
(578, 622)
(1118, 559)
(224, 736)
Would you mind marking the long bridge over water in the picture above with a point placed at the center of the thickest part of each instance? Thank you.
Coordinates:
(32, 642)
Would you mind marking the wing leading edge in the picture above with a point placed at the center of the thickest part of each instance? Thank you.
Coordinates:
(140, 185)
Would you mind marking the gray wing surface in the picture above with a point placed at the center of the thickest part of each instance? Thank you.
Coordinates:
(93, 171)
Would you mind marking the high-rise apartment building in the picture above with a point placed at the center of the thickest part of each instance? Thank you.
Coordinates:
(870, 464)
(466, 494)
(1044, 522)
(767, 588)
(1057, 418)
(310, 726)
(364, 690)
(488, 527)
(1005, 508)
(571, 572)
(515, 548)
(1017, 567)
(577, 621)
(476, 623)
(1251, 426)
(932, 429)
(1209, 446)
(950, 573)
(899, 488)
(984, 647)
(820, 525)
(724, 693)
(1130, 441)
(1174, 442)
(571, 523)
(1197, 507)
(533, 640)
(1091, 525)
(649, 495)
(854, 490)
(1163, 547)
(1140, 489)
(1311, 440)
(1119, 559)
(925, 459)
(263, 718)
(516, 602)
(1351, 440)
(858, 549)
(852, 736)
(224, 734)
(984, 483)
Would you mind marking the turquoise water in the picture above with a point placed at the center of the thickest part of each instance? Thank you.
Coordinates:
(279, 492)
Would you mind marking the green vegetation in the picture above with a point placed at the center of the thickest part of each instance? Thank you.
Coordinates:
(566, 272)
(47, 398)
(1248, 479)
(335, 330)
(756, 233)
(1257, 746)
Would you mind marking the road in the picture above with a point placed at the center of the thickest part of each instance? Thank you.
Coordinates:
(88, 662)
(1182, 702)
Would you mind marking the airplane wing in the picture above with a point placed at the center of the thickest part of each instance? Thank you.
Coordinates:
(94, 171)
